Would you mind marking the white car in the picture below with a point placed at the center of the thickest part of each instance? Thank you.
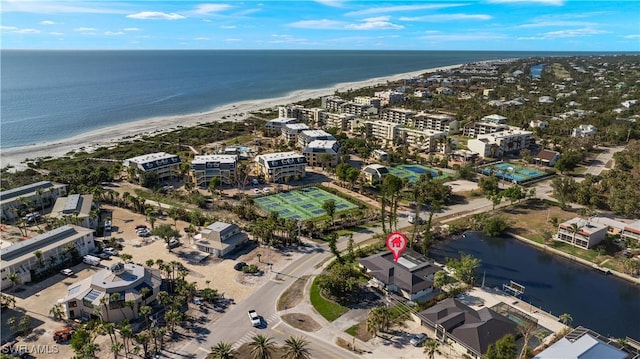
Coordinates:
(110, 251)
(255, 318)
(68, 272)
(267, 190)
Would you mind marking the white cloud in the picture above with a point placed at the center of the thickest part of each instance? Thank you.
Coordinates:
(56, 33)
(331, 3)
(26, 31)
(372, 23)
(232, 40)
(587, 31)
(228, 26)
(132, 29)
(49, 7)
(323, 24)
(375, 23)
(634, 36)
(544, 2)
(202, 38)
(47, 22)
(113, 33)
(84, 29)
(447, 17)
(204, 9)
(556, 23)
(155, 15)
(8, 28)
(398, 8)
(464, 37)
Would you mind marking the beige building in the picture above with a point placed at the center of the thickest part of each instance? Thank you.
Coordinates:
(368, 100)
(220, 239)
(277, 167)
(76, 208)
(398, 115)
(424, 140)
(332, 103)
(322, 153)
(290, 131)
(497, 144)
(375, 173)
(20, 258)
(481, 128)
(165, 165)
(587, 233)
(436, 122)
(308, 136)
(105, 294)
(631, 232)
(274, 127)
(341, 121)
(383, 131)
(207, 167)
(37, 195)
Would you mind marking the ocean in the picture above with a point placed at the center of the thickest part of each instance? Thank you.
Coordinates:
(53, 95)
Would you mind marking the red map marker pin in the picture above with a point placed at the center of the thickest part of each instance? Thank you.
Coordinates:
(397, 243)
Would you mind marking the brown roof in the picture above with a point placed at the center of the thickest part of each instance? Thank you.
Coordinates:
(546, 155)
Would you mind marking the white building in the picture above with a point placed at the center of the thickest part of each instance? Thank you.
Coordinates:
(20, 258)
(277, 167)
(375, 173)
(587, 233)
(290, 131)
(165, 165)
(315, 116)
(389, 97)
(76, 208)
(308, 136)
(538, 124)
(383, 131)
(398, 115)
(480, 128)
(205, 167)
(380, 155)
(368, 100)
(108, 291)
(425, 140)
(495, 118)
(332, 103)
(274, 127)
(220, 239)
(322, 153)
(41, 194)
(584, 131)
(341, 121)
(631, 232)
(436, 122)
(497, 144)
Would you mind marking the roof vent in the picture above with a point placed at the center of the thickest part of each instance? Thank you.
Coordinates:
(117, 268)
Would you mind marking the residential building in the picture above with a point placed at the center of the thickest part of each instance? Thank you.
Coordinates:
(545, 99)
(322, 153)
(341, 121)
(480, 128)
(398, 115)
(165, 165)
(206, 167)
(389, 97)
(375, 173)
(584, 131)
(629, 103)
(104, 295)
(421, 93)
(583, 343)
(277, 167)
(383, 131)
(380, 155)
(614, 227)
(220, 239)
(76, 208)
(315, 116)
(274, 127)
(546, 157)
(290, 111)
(332, 103)
(499, 143)
(469, 331)
(290, 131)
(436, 122)
(631, 232)
(368, 100)
(581, 233)
(37, 195)
(359, 110)
(538, 124)
(308, 136)
(411, 276)
(20, 257)
(494, 119)
(425, 140)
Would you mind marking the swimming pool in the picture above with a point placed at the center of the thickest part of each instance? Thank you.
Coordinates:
(512, 172)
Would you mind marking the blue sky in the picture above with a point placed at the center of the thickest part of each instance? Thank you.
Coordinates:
(537, 25)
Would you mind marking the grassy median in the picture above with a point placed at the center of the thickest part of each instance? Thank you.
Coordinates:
(328, 309)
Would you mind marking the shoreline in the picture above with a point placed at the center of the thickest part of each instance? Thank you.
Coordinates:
(112, 135)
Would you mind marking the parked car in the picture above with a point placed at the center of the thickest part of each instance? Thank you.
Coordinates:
(173, 243)
(107, 225)
(141, 226)
(68, 272)
(239, 266)
(255, 318)
(412, 220)
(110, 251)
(91, 260)
(104, 256)
(418, 339)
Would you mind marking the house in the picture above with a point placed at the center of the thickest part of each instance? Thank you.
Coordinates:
(76, 208)
(411, 276)
(375, 173)
(629, 103)
(220, 239)
(538, 124)
(583, 343)
(495, 118)
(40, 194)
(204, 168)
(274, 127)
(631, 232)
(165, 165)
(104, 295)
(469, 330)
(279, 166)
(322, 153)
(581, 233)
(545, 99)
(584, 131)
(547, 157)
(380, 155)
(20, 258)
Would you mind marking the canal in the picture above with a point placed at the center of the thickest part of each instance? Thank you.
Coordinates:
(604, 303)
(536, 70)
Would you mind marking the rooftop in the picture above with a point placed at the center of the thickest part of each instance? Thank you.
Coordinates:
(214, 158)
(584, 225)
(29, 189)
(283, 120)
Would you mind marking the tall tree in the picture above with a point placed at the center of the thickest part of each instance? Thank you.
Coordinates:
(504, 348)
(329, 206)
(296, 348)
(262, 347)
(223, 350)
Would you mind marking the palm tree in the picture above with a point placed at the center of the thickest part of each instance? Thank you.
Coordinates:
(566, 319)
(261, 347)
(39, 258)
(431, 348)
(574, 230)
(116, 348)
(223, 350)
(14, 278)
(379, 318)
(296, 348)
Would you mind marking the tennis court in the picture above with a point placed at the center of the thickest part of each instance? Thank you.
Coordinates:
(303, 204)
(512, 172)
(413, 172)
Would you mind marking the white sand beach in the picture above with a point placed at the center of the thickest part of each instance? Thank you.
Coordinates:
(17, 156)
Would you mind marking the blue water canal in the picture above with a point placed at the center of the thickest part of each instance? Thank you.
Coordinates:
(601, 302)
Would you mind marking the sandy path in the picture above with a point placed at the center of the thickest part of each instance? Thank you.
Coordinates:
(107, 136)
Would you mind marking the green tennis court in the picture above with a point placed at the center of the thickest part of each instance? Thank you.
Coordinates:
(412, 172)
(303, 204)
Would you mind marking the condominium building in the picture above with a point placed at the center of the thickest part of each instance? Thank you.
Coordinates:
(20, 257)
(290, 131)
(383, 131)
(206, 167)
(631, 232)
(77, 209)
(398, 115)
(356, 109)
(494, 119)
(315, 116)
(322, 153)
(389, 97)
(274, 127)
(332, 103)
(341, 121)
(40, 194)
(436, 122)
(368, 100)
(584, 234)
(308, 136)
(104, 295)
(165, 165)
(497, 144)
(290, 111)
(425, 140)
(480, 128)
(277, 167)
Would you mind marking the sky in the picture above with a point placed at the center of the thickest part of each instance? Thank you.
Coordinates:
(524, 25)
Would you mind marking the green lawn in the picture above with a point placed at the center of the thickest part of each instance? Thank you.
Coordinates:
(353, 330)
(328, 309)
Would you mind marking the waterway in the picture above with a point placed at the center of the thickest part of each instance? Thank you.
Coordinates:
(604, 303)
(536, 70)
